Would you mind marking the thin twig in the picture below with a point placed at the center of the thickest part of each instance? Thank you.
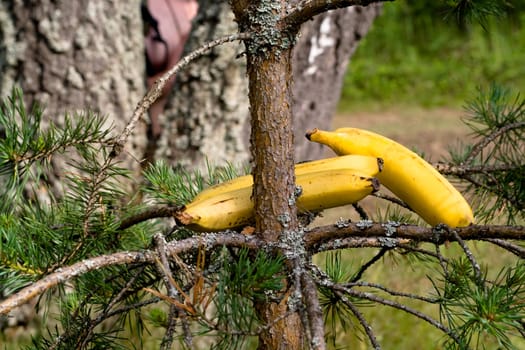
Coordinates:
(163, 266)
(478, 147)
(470, 256)
(369, 263)
(155, 91)
(149, 213)
(392, 199)
(105, 314)
(390, 291)
(315, 314)
(407, 309)
(513, 248)
(462, 170)
(412, 248)
(361, 211)
(298, 288)
(323, 280)
(361, 319)
(442, 261)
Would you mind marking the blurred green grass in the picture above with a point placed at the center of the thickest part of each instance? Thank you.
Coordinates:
(417, 55)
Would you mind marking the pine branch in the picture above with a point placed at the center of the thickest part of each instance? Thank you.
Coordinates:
(67, 273)
(407, 309)
(306, 9)
(108, 312)
(513, 248)
(323, 280)
(374, 236)
(484, 142)
(317, 237)
(361, 319)
(90, 206)
(462, 171)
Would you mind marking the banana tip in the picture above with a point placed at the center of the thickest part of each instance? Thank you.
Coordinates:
(310, 132)
(184, 218)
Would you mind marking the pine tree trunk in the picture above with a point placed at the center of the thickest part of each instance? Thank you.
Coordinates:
(73, 56)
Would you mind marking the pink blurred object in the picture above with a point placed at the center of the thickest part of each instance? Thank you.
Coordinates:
(169, 28)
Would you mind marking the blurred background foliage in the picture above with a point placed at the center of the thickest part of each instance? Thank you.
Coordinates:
(420, 53)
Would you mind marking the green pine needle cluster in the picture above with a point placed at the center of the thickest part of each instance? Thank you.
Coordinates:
(178, 186)
(336, 313)
(497, 121)
(27, 145)
(484, 313)
(242, 280)
(478, 11)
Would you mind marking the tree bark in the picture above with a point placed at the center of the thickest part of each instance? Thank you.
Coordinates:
(72, 56)
(207, 115)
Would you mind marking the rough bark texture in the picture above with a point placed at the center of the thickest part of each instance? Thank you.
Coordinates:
(73, 56)
(269, 70)
(208, 115)
(270, 92)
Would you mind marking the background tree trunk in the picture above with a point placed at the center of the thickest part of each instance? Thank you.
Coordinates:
(208, 114)
(73, 56)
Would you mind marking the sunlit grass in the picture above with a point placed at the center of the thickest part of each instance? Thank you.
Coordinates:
(423, 59)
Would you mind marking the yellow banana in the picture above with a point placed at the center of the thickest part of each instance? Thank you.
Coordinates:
(404, 173)
(364, 165)
(319, 190)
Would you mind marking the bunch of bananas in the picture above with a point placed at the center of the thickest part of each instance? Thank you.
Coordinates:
(404, 173)
(323, 184)
(366, 159)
